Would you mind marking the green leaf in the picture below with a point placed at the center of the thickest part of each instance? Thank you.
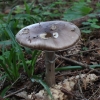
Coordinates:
(84, 48)
(94, 20)
(92, 15)
(89, 1)
(95, 26)
(1, 58)
(86, 23)
(77, 10)
(71, 15)
(86, 31)
(86, 10)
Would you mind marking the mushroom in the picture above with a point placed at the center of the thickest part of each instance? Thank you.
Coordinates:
(49, 36)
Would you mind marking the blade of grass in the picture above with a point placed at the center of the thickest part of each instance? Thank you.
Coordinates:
(11, 35)
(3, 93)
(10, 14)
(18, 48)
(28, 7)
(75, 67)
(6, 70)
(15, 69)
(35, 54)
(2, 77)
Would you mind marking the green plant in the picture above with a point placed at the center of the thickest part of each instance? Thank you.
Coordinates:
(21, 16)
(11, 62)
(31, 67)
(97, 9)
(13, 59)
(77, 10)
(8, 61)
(17, 21)
(90, 25)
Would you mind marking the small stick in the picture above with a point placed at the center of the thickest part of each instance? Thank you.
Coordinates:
(59, 64)
(79, 85)
(79, 21)
(78, 63)
(94, 93)
(14, 92)
(71, 73)
(13, 83)
(82, 52)
(74, 62)
(66, 92)
(1, 85)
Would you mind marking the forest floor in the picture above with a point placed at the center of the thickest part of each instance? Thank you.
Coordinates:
(85, 53)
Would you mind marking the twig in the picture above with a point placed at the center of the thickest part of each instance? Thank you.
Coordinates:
(79, 85)
(14, 83)
(71, 73)
(59, 64)
(94, 93)
(78, 63)
(66, 92)
(80, 88)
(2, 83)
(79, 21)
(15, 92)
(82, 52)
(74, 62)
(90, 71)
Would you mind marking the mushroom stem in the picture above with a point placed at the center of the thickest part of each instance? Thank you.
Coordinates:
(50, 67)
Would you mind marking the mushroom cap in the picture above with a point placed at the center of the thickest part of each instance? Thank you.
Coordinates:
(50, 35)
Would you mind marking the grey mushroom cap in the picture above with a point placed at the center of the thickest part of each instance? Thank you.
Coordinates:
(50, 35)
